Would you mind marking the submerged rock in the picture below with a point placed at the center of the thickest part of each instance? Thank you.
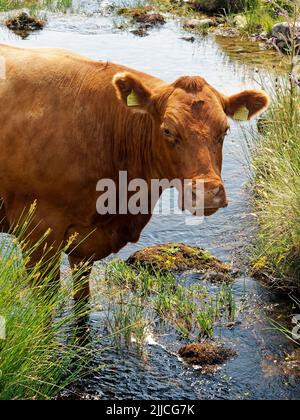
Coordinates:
(142, 32)
(23, 24)
(188, 38)
(182, 257)
(206, 353)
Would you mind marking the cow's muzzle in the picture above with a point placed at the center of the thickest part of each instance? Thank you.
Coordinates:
(205, 197)
(202, 197)
(216, 197)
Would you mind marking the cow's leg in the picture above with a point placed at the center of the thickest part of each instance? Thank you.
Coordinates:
(4, 224)
(81, 298)
(81, 282)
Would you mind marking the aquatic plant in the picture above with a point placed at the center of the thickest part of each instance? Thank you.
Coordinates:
(139, 297)
(292, 333)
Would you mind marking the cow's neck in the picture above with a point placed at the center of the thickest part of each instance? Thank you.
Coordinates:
(136, 147)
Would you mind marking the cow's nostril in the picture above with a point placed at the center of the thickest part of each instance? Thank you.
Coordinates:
(219, 196)
(216, 191)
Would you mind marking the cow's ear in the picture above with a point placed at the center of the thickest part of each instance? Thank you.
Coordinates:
(132, 92)
(245, 105)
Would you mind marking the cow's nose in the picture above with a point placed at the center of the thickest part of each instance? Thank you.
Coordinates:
(215, 196)
(219, 198)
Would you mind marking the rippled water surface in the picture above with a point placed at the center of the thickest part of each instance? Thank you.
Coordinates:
(94, 33)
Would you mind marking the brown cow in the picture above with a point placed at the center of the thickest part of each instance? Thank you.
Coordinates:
(66, 122)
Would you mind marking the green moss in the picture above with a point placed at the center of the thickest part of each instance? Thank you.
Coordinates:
(181, 257)
(133, 11)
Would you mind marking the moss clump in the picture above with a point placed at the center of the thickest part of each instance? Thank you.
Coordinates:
(22, 24)
(143, 16)
(133, 11)
(206, 353)
(180, 257)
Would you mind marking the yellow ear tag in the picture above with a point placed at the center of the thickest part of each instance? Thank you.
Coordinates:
(241, 114)
(132, 99)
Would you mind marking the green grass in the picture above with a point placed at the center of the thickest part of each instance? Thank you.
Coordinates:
(291, 334)
(276, 201)
(34, 5)
(261, 15)
(40, 354)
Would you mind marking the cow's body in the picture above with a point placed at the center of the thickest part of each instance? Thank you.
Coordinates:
(64, 127)
(55, 145)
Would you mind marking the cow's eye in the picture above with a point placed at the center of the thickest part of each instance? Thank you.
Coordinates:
(221, 139)
(167, 132)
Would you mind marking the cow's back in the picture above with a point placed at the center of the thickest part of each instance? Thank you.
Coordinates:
(39, 118)
(54, 106)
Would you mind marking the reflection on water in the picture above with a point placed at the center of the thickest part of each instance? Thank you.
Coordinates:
(250, 53)
(167, 56)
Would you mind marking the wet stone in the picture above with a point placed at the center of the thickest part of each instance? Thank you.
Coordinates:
(198, 23)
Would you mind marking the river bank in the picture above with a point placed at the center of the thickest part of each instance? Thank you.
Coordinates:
(272, 25)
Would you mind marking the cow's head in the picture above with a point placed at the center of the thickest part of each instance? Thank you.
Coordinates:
(191, 119)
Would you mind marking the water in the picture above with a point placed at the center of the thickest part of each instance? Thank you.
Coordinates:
(94, 34)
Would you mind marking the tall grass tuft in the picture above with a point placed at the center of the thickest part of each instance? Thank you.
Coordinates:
(39, 351)
(276, 163)
(276, 180)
